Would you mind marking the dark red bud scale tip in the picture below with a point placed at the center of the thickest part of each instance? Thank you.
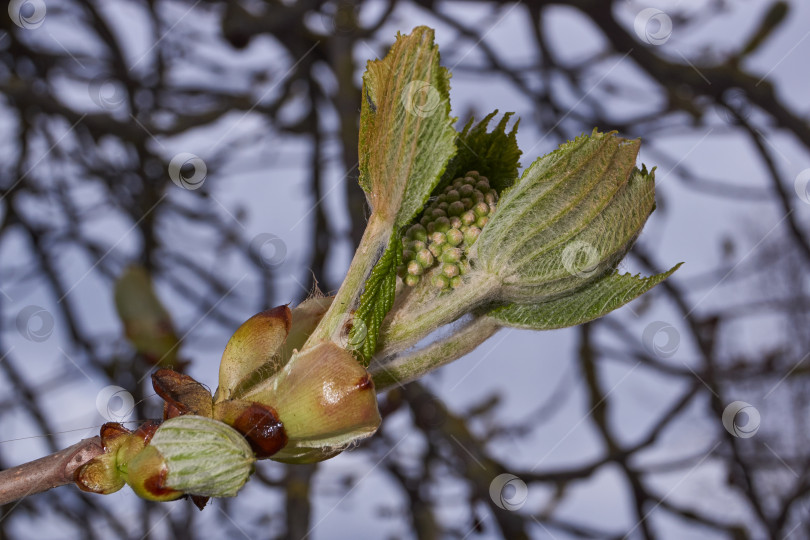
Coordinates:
(156, 484)
(147, 430)
(365, 383)
(261, 427)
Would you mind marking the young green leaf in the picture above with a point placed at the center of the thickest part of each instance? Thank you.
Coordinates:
(406, 133)
(376, 301)
(406, 139)
(494, 154)
(584, 200)
(595, 300)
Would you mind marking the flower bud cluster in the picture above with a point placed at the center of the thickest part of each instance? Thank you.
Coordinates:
(449, 226)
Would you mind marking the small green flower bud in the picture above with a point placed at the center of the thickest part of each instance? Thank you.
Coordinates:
(417, 232)
(451, 255)
(446, 222)
(471, 235)
(438, 238)
(450, 270)
(481, 222)
(415, 269)
(456, 282)
(411, 280)
(481, 209)
(454, 237)
(441, 282)
(455, 209)
(425, 258)
(442, 224)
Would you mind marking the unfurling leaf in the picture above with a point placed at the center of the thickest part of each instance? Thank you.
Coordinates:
(406, 133)
(568, 220)
(406, 139)
(593, 301)
(376, 301)
(493, 154)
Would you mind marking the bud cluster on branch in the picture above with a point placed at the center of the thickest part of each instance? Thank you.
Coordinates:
(454, 232)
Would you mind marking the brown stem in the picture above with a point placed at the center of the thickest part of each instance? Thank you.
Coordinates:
(49, 472)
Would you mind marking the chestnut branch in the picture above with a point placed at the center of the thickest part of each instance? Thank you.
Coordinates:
(48, 472)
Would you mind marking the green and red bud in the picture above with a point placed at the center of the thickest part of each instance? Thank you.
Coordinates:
(325, 400)
(254, 348)
(297, 406)
(186, 455)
